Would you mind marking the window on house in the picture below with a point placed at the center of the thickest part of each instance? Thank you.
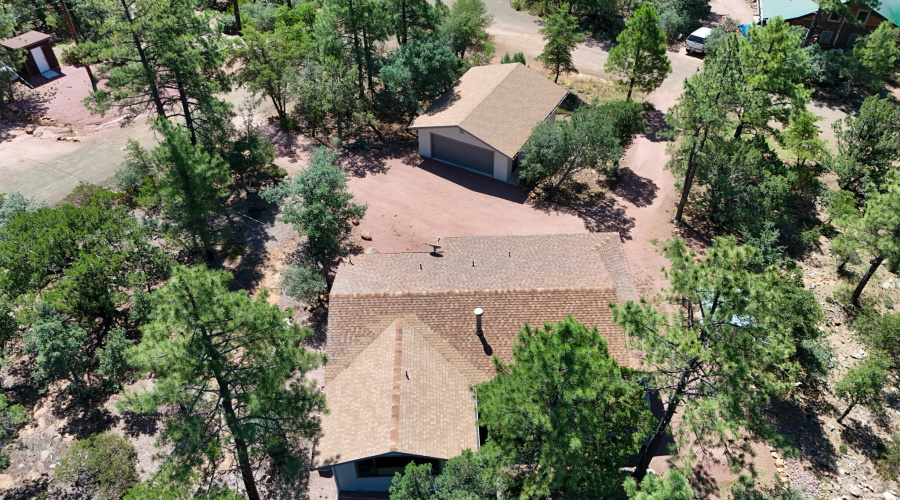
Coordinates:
(834, 17)
(825, 37)
(862, 16)
(387, 466)
(852, 41)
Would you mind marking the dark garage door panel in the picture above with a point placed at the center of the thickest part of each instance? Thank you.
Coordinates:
(462, 154)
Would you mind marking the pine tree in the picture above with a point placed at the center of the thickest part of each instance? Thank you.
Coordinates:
(876, 232)
(878, 54)
(560, 33)
(864, 383)
(319, 205)
(190, 185)
(732, 345)
(234, 368)
(640, 56)
(161, 56)
(563, 415)
(269, 60)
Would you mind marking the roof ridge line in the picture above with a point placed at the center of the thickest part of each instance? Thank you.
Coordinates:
(485, 96)
(362, 348)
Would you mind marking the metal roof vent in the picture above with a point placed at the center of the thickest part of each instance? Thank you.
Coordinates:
(478, 331)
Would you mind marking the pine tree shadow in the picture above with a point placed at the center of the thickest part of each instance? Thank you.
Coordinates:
(637, 190)
(656, 123)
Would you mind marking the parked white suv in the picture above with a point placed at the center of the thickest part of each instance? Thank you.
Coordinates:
(695, 41)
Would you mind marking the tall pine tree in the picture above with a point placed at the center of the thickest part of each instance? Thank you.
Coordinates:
(234, 368)
(640, 57)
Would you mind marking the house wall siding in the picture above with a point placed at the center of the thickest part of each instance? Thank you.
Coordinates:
(834, 26)
(346, 480)
(502, 164)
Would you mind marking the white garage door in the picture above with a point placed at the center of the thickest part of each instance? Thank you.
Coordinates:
(462, 154)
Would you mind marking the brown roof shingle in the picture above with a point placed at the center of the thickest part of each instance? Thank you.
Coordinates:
(24, 40)
(499, 104)
(401, 341)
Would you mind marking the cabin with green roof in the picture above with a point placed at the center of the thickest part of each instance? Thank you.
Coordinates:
(833, 30)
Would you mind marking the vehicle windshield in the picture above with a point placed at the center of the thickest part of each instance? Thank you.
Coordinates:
(695, 38)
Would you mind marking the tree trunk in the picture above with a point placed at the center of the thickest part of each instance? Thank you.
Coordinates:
(356, 50)
(692, 163)
(401, 30)
(368, 58)
(646, 453)
(340, 129)
(846, 412)
(630, 88)
(289, 4)
(186, 107)
(237, 17)
(280, 109)
(873, 265)
(689, 177)
(377, 132)
(569, 168)
(148, 72)
(231, 420)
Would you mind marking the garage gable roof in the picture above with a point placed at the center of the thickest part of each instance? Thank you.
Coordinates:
(499, 104)
(402, 350)
(25, 40)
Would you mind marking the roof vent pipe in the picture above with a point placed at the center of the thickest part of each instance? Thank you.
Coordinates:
(478, 331)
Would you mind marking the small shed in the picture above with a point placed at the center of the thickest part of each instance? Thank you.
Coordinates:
(39, 58)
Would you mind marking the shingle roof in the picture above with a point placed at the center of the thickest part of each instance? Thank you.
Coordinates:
(401, 343)
(792, 9)
(24, 40)
(499, 104)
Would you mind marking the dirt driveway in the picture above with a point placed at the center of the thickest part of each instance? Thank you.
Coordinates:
(43, 167)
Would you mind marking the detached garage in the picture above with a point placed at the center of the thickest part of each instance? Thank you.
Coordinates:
(482, 122)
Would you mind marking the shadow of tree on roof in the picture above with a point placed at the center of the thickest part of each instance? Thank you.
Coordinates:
(637, 190)
(444, 102)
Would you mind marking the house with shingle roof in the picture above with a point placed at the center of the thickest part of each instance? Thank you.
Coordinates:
(403, 353)
(831, 29)
(486, 117)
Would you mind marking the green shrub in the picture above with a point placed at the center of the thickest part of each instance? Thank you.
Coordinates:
(304, 282)
(234, 252)
(103, 465)
(843, 448)
(85, 195)
(518, 57)
(829, 68)
(260, 15)
(10, 418)
(888, 464)
(880, 332)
